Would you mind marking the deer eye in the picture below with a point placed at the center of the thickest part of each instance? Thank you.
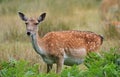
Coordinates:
(35, 23)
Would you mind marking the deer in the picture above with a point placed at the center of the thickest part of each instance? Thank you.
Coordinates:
(115, 24)
(108, 6)
(67, 47)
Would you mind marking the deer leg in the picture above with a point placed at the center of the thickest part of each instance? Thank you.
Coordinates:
(60, 63)
(49, 67)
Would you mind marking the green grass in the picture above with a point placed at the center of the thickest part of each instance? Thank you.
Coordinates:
(106, 65)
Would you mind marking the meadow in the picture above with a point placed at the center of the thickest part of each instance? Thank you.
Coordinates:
(84, 15)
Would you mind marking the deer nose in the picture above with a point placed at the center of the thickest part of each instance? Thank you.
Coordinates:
(28, 33)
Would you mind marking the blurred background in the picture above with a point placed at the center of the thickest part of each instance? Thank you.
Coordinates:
(99, 16)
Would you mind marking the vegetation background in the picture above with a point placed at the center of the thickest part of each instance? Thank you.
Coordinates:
(84, 15)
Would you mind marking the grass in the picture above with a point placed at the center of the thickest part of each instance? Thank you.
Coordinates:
(61, 15)
(106, 65)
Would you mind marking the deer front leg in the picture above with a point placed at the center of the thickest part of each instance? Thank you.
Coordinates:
(49, 67)
(59, 63)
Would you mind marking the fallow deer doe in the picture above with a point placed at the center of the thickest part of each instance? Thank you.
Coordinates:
(61, 47)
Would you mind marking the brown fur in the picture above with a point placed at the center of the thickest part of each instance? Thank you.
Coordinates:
(116, 24)
(72, 39)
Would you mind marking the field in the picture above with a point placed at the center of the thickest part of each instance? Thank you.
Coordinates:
(84, 15)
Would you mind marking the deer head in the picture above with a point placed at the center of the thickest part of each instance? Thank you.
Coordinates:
(32, 23)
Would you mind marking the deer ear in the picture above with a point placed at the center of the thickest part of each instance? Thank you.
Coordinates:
(41, 17)
(22, 16)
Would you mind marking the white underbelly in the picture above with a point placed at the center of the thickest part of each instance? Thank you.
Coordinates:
(67, 61)
(48, 60)
(76, 57)
(71, 61)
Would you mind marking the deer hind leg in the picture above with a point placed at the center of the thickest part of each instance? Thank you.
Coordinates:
(49, 67)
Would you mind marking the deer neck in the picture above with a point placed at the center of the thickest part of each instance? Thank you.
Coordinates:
(37, 44)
